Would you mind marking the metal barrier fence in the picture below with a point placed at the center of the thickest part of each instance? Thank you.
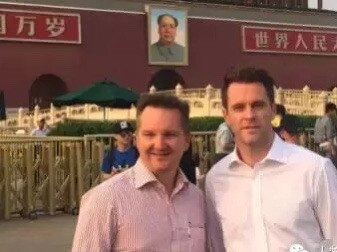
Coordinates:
(46, 174)
(50, 174)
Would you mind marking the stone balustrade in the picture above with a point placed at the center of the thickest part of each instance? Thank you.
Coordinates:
(203, 102)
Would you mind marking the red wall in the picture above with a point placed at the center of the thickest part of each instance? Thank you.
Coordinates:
(114, 46)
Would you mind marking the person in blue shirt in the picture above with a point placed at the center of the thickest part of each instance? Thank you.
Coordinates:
(123, 154)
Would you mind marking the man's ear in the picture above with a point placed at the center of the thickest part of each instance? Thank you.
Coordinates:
(224, 113)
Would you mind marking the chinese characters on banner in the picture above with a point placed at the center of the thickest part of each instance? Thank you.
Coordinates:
(291, 41)
(18, 25)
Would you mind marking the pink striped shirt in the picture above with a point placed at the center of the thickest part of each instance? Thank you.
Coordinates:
(132, 212)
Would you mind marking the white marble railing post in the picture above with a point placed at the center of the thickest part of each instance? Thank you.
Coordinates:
(305, 101)
(133, 111)
(87, 111)
(208, 97)
(36, 114)
(152, 89)
(334, 96)
(68, 112)
(179, 90)
(279, 96)
(31, 121)
(323, 99)
(52, 114)
(20, 117)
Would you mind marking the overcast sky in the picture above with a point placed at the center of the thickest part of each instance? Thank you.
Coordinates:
(327, 4)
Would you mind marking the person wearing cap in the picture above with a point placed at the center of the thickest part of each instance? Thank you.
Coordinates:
(123, 153)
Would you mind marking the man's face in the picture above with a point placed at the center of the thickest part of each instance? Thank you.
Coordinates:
(249, 114)
(41, 124)
(124, 138)
(167, 30)
(160, 139)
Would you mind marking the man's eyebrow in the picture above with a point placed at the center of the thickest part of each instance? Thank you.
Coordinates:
(258, 102)
(238, 104)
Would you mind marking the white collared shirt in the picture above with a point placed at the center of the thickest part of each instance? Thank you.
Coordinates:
(290, 197)
(40, 132)
(133, 212)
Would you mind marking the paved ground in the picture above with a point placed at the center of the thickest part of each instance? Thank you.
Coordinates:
(47, 233)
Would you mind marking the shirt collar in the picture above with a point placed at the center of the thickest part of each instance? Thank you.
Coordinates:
(275, 153)
(143, 176)
(181, 182)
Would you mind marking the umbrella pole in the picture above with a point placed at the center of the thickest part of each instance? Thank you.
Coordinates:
(104, 113)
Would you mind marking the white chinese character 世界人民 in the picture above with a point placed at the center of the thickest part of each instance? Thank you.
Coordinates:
(26, 21)
(2, 24)
(55, 26)
(261, 39)
(300, 41)
(320, 43)
(281, 40)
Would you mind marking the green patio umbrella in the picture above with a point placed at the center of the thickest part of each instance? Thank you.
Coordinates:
(2, 106)
(104, 93)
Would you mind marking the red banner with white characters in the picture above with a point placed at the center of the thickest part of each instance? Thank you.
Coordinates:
(311, 41)
(33, 26)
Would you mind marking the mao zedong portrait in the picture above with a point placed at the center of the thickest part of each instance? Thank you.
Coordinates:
(166, 49)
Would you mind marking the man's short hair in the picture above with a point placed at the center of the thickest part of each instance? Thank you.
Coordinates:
(248, 75)
(330, 107)
(160, 17)
(291, 124)
(165, 102)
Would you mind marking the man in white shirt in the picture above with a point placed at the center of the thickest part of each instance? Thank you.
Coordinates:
(267, 195)
(41, 130)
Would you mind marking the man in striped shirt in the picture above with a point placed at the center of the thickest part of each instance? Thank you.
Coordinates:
(152, 206)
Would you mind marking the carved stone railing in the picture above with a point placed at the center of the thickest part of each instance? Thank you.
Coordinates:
(203, 102)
